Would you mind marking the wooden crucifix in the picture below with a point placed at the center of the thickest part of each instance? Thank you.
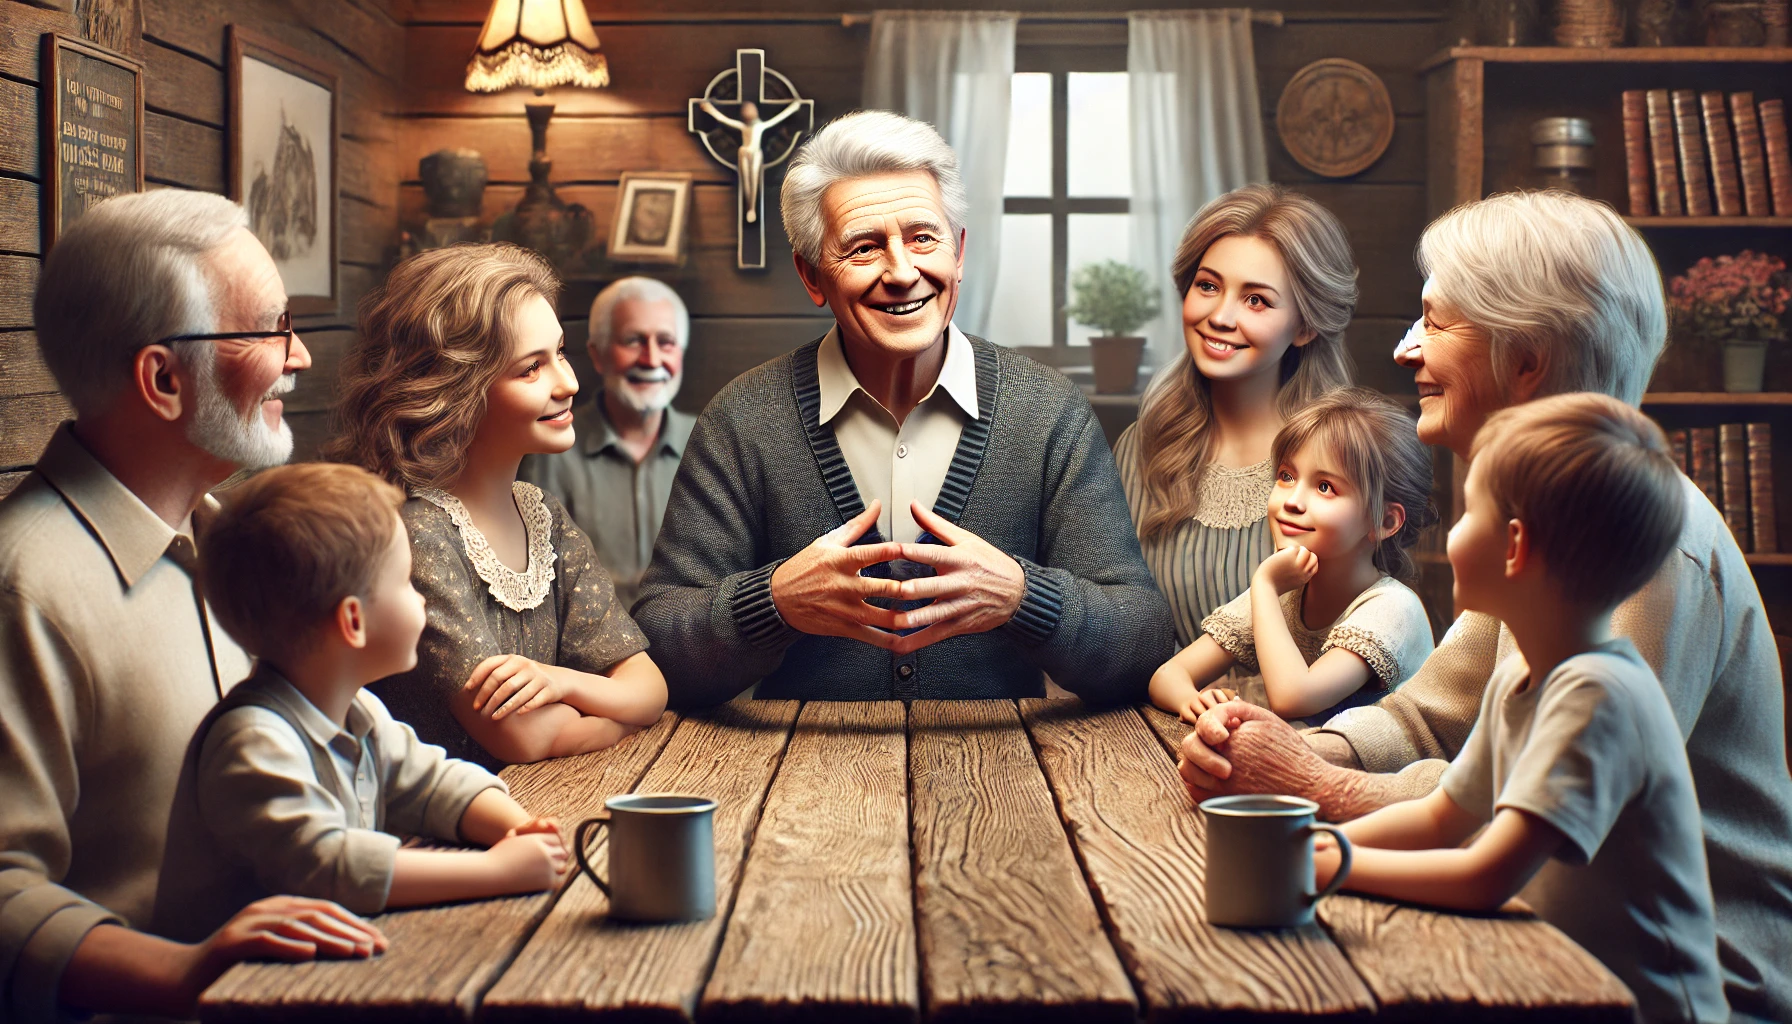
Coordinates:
(737, 122)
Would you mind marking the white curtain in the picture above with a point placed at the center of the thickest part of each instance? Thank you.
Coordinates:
(953, 71)
(1197, 132)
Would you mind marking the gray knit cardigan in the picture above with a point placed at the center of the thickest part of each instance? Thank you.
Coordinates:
(762, 478)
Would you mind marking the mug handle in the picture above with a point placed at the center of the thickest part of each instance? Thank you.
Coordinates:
(1338, 878)
(587, 827)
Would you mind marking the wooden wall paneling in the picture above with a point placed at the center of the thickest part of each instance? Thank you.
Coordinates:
(19, 203)
(724, 348)
(177, 152)
(317, 386)
(26, 425)
(823, 926)
(1391, 49)
(1384, 223)
(22, 25)
(18, 283)
(583, 149)
(474, 10)
(988, 846)
(368, 170)
(181, 84)
(433, 972)
(19, 138)
(1145, 856)
(1402, 164)
(1453, 172)
(579, 963)
(22, 369)
(367, 229)
(1370, 341)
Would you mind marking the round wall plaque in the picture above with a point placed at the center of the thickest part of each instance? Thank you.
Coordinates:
(1335, 117)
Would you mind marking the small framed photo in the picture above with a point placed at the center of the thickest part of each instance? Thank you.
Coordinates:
(282, 144)
(650, 217)
(92, 129)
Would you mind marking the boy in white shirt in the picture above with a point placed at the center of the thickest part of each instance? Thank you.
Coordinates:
(297, 780)
(1575, 766)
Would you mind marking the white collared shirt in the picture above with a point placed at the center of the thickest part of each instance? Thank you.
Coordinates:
(898, 464)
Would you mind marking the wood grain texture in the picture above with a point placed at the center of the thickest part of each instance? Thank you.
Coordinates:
(18, 283)
(180, 83)
(1424, 964)
(579, 963)
(19, 129)
(823, 928)
(19, 226)
(26, 425)
(22, 27)
(183, 153)
(1143, 850)
(441, 958)
(22, 369)
(1005, 920)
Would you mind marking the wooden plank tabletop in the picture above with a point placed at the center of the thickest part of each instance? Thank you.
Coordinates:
(947, 861)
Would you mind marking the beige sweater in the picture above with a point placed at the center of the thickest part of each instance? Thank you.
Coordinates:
(1700, 625)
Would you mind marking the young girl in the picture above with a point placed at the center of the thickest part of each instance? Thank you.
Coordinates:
(460, 372)
(1325, 624)
(1268, 286)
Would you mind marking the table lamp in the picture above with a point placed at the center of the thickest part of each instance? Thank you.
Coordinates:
(539, 44)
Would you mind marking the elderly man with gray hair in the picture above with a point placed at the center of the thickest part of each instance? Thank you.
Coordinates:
(165, 323)
(615, 479)
(896, 510)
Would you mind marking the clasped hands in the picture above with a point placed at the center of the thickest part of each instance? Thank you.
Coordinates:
(977, 588)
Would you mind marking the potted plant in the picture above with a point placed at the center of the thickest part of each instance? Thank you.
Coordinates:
(1738, 301)
(1116, 300)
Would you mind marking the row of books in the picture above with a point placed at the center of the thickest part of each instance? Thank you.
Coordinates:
(1733, 465)
(1685, 154)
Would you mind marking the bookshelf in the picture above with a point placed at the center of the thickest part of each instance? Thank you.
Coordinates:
(1480, 104)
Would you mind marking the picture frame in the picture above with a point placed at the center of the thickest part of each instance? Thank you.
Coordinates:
(652, 208)
(92, 129)
(283, 154)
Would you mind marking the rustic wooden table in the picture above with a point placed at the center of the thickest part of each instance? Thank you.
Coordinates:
(944, 860)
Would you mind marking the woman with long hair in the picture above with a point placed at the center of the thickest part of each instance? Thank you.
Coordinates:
(460, 372)
(1268, 286)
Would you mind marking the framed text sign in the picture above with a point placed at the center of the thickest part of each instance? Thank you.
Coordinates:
(93, 129)
(282, 143)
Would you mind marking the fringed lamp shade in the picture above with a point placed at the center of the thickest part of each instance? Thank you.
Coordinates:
(538, 44)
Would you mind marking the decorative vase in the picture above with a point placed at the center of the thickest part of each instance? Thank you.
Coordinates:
(1116, 361)
(1745, 365)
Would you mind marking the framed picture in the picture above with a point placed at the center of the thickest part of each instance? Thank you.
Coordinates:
(283, 162)
(92, 129)
(650, 217)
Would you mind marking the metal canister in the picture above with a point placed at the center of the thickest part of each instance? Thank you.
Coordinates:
(1563, 153)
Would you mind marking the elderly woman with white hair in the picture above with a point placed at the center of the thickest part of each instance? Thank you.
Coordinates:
(896, 509)
(1528, 295)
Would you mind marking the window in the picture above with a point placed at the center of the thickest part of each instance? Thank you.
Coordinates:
(1069, 174)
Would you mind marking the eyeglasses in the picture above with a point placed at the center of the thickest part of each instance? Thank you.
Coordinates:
(282, 329)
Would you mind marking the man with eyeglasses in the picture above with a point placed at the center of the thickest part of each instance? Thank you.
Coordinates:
(614, 481)
(165, 324)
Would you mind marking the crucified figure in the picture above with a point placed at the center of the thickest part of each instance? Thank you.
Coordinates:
(749, 161)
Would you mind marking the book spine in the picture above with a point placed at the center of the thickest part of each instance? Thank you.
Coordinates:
(1636, 152)
(1702, 452)
(1661, 154)
(1732, 461)
(1779, 157)
(1677, 445)
(1690, 142)
(1751, 162)
(1760, 486)
(1724, 179)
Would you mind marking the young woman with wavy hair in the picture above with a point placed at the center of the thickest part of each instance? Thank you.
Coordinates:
(1268, 286)
(460, 372)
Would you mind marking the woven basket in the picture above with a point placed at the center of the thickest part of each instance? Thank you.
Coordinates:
(1589, 23)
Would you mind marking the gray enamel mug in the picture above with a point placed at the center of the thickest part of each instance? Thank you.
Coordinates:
(662, 856)
(1260, 860)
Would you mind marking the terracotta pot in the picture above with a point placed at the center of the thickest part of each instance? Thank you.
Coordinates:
(1116, 360)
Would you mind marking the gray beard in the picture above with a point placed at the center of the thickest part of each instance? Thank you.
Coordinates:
(219, 429)
(616, 387)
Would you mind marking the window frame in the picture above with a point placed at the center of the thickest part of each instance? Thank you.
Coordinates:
(1060, 57)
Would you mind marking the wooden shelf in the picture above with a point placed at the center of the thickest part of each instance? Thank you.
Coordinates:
(1612, 55)
(1709, 222)
(1745, 398)
(1774, 558)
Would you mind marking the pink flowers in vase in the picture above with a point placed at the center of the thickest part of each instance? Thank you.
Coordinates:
(1733, 298)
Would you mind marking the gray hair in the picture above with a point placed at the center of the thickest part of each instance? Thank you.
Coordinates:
(856, 146)
(1554, 276)
(126, 274)
(640, 289)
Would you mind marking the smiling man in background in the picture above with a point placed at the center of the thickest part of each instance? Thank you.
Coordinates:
(896, 510)
(615, 479)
